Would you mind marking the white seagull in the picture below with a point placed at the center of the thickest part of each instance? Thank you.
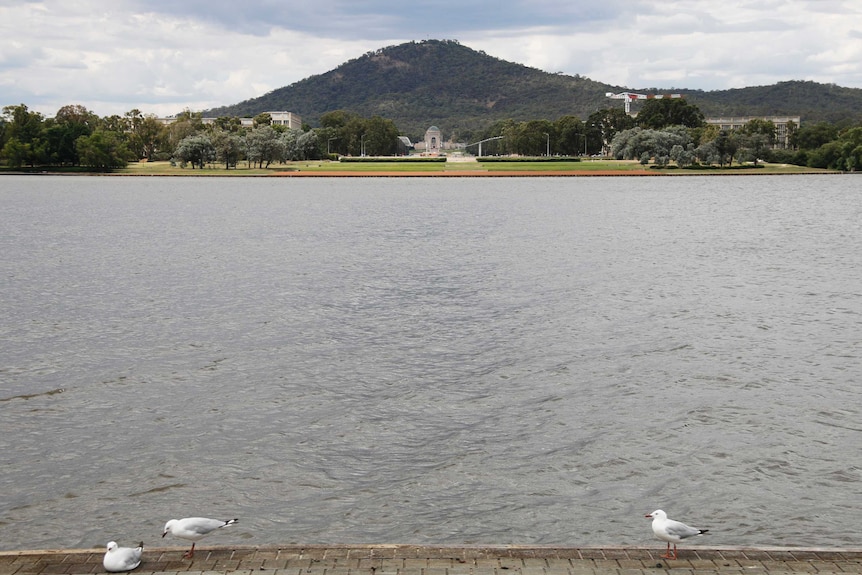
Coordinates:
(122, 558)
(671, 531)
(194, 529)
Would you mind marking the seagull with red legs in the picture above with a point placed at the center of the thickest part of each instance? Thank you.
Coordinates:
(671, 531)
(193, 529)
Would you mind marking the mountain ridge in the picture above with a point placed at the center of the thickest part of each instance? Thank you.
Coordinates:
(463, 91)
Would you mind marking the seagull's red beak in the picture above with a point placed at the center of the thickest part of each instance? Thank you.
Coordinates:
(647, 516)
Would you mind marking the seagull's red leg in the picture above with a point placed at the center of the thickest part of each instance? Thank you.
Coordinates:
(191, 552)
(675, 556)
(667, 553)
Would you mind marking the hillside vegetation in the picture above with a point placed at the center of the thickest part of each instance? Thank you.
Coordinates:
(462, 91)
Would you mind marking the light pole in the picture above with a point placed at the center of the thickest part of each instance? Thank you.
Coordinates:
(547, 144)
(362, 145)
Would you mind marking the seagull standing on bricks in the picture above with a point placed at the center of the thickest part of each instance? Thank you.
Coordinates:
(671, 531)
(193, 529)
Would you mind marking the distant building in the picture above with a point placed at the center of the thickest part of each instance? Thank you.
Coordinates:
(780, 122)
(433, 140)
(287, 119)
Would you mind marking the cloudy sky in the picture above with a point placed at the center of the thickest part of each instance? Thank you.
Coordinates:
(164, 56)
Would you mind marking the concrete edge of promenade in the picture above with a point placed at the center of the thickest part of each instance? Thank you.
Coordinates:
(407, 559)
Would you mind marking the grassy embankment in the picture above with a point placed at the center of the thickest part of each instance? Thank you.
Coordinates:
(324, 167)
(585, 167)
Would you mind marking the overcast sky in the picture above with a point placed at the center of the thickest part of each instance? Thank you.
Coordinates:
(164, 56)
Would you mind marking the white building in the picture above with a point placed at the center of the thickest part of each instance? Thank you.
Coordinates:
(287, 119)
(781, 123)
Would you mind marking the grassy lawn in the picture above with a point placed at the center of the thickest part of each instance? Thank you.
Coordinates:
(324, 167)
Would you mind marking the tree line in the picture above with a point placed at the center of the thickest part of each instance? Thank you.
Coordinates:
(76, 137)
(665, 131)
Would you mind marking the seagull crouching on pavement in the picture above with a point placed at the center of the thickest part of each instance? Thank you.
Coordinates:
(122, 558)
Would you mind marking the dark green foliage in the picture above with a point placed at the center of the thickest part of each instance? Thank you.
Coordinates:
(661, 113)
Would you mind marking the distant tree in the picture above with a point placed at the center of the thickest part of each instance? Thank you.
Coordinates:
(196, 150)
(683, 156)
(102, 150)
(603, 125)
(811, 137)
(639, 143)
(826, 156)
(381, 137)
(15, 153)
(228, 123)
(662, 112)
(63, 130)
(24, 135)
(792, 136)
(570, 135)
(262, 119)
(300, 145)
(755, 139)
(850, 144)
(228, 147)
(146, 134)
(528, 138)
(186, 124)
(719, 151)
(264, 146)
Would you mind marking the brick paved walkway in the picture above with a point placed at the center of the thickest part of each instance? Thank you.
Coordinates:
(424, 560)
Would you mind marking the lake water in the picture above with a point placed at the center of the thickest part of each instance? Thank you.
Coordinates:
(432, 361)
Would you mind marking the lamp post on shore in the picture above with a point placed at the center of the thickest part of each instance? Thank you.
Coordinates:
(362, 145)
(547, 144)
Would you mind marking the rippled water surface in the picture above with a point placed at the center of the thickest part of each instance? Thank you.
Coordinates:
(506, 360)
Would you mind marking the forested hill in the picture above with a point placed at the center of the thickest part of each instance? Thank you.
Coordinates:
(463, 91)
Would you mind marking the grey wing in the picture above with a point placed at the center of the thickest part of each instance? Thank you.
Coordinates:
(681, 530)
(204, 526)
(132, 558)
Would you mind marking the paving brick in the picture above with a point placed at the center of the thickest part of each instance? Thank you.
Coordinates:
(467, 560)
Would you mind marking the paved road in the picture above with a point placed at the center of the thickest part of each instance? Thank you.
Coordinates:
(425, 560)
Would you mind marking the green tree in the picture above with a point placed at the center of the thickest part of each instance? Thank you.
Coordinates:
(262, 119)
(62, 132)
(756, 138)
(381, 137)
(146, 134)
(196, 149)
(102, 150)
(851, 149)
(26, 129)
(603, 125)
(659, 113)
(643, 144)
(15, 153)
(719, 151)
(570, 135)
(816, 135)
(264, 146)
(228, 147)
